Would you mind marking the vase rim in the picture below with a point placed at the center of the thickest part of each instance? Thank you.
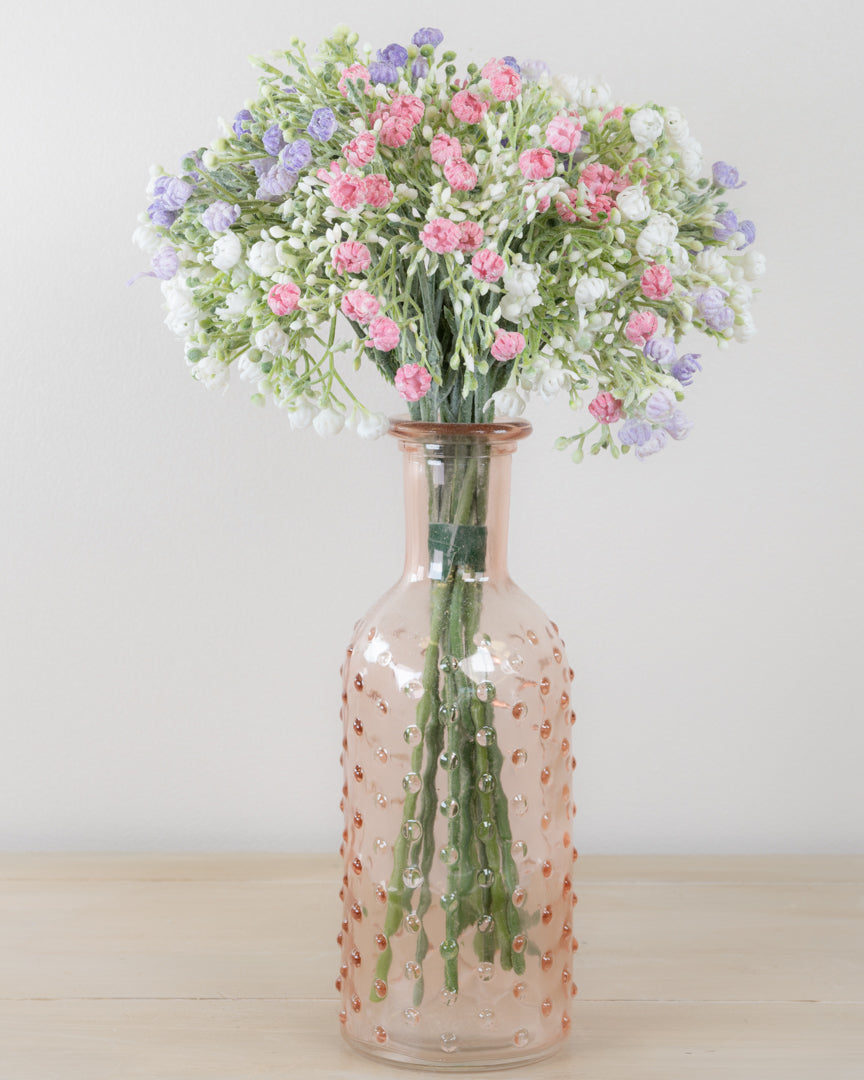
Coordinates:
(428, 431)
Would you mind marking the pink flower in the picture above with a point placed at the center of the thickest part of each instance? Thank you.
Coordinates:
(602, 204)
(283, 298)
(487, 265)
(565, 212)
(359, 306)
(331, 173)
(377, 190)
(563, 135)
(537, 164)
(440, 235)
(491, 67)
(599, 179)
(507, 344)
(351, 257)
(616, 114)
(395, 131)
(380, 112)
(543, 201)
(656, 282)
(361, 150)
(443, 147)
(409, 107)
(468, 107)
(506, 84)
(470, 236)
(413, 381)
(347, 192)
(384, 334)
(355, 72)
(606, 408)
(640, 327)
(459, 174)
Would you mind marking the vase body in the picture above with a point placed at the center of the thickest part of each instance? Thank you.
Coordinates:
(457, 938)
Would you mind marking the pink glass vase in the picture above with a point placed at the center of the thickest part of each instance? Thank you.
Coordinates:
(457, 942)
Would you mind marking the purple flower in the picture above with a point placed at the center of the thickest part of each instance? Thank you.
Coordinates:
(634, 432)
(711, 300)
(297, 155)
(678, 425)
(721, 318)
(726, 176)
(159, 215)
(322, 125)
(276, 181)
(427, 35)
(394, 54)
(243, 117)
(383, 72)
(172, 192)
(165, 263)
(727, 226)
(661, 405)
(219, 216)
(273, 140)
(261, 165)
(534, 70)
(749, 230)
(686, 367)
(661, 350)
(420, 68)
(654, 445)
(512, 63)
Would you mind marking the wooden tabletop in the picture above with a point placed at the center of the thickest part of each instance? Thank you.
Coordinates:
(221, 967)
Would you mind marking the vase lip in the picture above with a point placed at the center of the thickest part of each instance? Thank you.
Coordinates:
(428, 431)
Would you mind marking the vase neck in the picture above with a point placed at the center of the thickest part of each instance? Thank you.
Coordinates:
(457, 498)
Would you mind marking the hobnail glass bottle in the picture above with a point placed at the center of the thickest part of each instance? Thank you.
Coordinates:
(457, 939)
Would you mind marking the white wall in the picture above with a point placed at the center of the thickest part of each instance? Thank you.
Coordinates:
(180, 572)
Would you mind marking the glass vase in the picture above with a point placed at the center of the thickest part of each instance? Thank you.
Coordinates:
(456, 938)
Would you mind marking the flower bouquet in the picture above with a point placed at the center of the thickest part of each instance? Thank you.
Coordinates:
(479, 239)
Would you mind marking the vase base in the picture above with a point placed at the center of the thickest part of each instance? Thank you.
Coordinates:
(462, 1060)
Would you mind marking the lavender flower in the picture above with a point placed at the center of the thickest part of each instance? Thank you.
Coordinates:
(276, 181)
(172, 192)
(273, 140)
(686, 367)
(678, 425)
(512, 63)
(159, 215)
(383, 72)
(654, 445)
(394, 54)
(726, 176)
(420, 68)
(711, 300)
(721, 318)
(261, 165)
(165, 263)
(661, 405)
(727, 226)
(749, 229)
(322, 125)
(634, 432)
(427, 35)
(661, 350)
(219, 216)
(297, 155)
(534, 70)
(243, 117)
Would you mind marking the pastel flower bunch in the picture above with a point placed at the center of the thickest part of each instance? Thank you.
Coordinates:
(484, 238)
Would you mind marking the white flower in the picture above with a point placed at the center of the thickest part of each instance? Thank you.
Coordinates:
(328, 422)
(182, 312)
(226, 251)
(656, 443)
(567, 87)
(508, 402)
(590, 291)
(633, 203)
(372, 425)
(248, 369)
(744, 327)
(646, 127)
(272, 339)
(658, 235)
(679, 261)
(593, 94)
(262, 258)
(236, 303)
(753, 264)
(677, 128)
(691, 158)
(301, 414)
(212, 371)
(520, 291)
(710, 262)
(147, 239)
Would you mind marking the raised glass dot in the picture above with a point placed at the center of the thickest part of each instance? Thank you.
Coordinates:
(520, 1038)
(412, 830)
(565, 1022)
(383, 706)
(518, 849)
(449, 901)
(358, 819)
(546, 728)
(412, 922)
(449, 997)
(485, 924)
(358, 725)
(449, 807)
(518, 896)
(485, 736)
(412, 876)
(545, 685)
(358, 681)
(485, 972)
(356, 912)
(381, 893)
(382, 800)
(545, 774)
(486, 783)
(485, 691)
(565, 700)
(546, 868)
(546, 1007)
(449, 761)
(519, 990)
(485, 830)
(358, 772)
(413, 689)
(546, 961)
(448, 1041)
(412, 735)
(355, 1003)
(565, 747)
(485, 877)
(356, 958)
(343, 1016)
(546, 915)
(413, 971)
(556, 652)
(357, 865)
(448, 664)
(519, 756)
(545, 821)
(380, 988)
(380, 942)
(532, 637)
(486, 1017)
(411, 1017)
(384, 658)
(380, 1034)
(382, 754)
(519, 942)
(448, 855)
(448, 713)
(412, 782)
(519, 804)
(515, 661)
(519, 710)
(448, 948)
(380, 845)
